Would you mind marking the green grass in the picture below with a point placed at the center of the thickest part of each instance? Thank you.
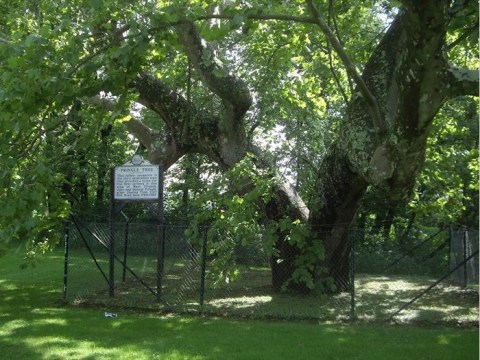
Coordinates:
(34, 326)
(250, 296)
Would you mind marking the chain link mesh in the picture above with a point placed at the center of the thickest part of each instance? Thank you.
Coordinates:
(378, 281)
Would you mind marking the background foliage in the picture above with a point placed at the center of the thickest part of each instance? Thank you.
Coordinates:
(57, 147)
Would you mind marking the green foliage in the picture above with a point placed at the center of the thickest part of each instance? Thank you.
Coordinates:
(56, 149)
(446, 193)
(448, 187)
(311, 253)
(231, 207)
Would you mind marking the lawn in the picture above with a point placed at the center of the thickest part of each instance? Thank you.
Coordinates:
(34, 325)
(377, 298)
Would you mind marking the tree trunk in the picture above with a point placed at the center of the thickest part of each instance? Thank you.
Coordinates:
(285, 203)
(332, 221)
(409, 93)
(406, 80)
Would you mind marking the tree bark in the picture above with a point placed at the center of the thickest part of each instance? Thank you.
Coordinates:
(409, 76)
(220, 137)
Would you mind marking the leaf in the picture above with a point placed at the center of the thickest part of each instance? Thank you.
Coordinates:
(41, 169)
(237, 20)
(96, 4)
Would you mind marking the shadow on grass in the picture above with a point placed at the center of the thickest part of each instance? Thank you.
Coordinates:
(34, 327)
(75, 333)
(377, 298)
(380, 297)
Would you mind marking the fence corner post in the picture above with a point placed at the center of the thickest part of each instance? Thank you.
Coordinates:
(465, 255)
(204, 265)
(65, 265)
(352, 275)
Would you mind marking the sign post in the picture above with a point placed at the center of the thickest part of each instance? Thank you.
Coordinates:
(136, 181)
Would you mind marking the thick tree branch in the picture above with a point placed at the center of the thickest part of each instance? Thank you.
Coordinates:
(462, 82)
(285, 192)
(142, 132)
(188, 128)
(371, 101)
(102, 102)
(232, 90)
(278, 17)
(458, 6)
(162, 147)
(135, 126)
(158, 97)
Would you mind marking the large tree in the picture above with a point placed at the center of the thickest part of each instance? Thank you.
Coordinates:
(215, 75)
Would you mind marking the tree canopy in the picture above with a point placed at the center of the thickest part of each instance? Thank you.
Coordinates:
(293, 116)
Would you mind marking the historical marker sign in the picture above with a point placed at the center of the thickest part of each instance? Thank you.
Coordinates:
(137, 182)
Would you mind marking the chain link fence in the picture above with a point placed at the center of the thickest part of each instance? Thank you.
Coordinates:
(417, 280)
(177, 268)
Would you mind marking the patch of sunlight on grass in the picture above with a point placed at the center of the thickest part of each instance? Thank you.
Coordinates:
(176, 355)
(187, 320)
(407, 315)
(440, 308)
(49, 311)
(8, 286)
(384, 283)
(443, 340)
(48, 341)
(242, 302)
(59, 347)
(50, 321)
(11, 326)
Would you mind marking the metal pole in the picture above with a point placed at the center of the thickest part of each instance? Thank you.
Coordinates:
(161, 245)
(160, 260)
(450, 248)
(125, 251)
(111, 277)
(65, 265)
(465, 275)
(204, 266)
(352, 278)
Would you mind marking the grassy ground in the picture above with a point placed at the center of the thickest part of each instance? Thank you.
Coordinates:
(377, 298)
(34, 326)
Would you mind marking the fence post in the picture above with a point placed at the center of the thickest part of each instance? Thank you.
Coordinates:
(111, 260)
(450, 248)
(125, 250)
(464, 242)
(65, 265)
(160, 260)
(352, 276)
(204, 266)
